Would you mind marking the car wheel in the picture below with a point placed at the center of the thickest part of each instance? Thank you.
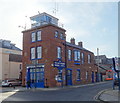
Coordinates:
(10, 85)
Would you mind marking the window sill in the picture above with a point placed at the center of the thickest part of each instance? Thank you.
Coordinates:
(77, 63)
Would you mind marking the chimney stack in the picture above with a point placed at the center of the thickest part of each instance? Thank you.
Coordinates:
(80, 44)
(72, 41)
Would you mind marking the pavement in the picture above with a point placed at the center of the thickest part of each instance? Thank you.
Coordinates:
(107, 95)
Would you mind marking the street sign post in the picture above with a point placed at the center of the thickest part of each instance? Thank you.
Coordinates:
(116, 68)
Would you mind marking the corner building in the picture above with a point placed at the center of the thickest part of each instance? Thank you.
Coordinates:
(50, 61)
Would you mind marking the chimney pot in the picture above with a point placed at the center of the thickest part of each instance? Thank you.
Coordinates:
(80, 44)
(72, 41)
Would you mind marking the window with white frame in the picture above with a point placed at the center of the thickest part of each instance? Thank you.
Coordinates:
(61, 35)
(69, 54)
(82, 55)
(32, 51)
(39, 52)
(89, 59)
(77, 55)
(56, 34)
(38, 35)
(59, 75)
(78, 74)
(33, 37)
(59, 52)
(87, 75)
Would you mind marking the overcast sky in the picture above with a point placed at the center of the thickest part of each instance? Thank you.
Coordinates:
(93, 23)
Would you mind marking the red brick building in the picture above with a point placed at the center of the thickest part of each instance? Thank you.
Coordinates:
(48, 60)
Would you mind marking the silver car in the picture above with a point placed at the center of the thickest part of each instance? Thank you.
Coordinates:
(12, 82)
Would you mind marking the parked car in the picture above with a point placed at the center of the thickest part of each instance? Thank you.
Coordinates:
(12, 82)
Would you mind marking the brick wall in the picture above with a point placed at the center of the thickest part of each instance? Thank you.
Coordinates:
(49, 54)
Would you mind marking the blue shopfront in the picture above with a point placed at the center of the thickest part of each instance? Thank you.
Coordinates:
(35, 75)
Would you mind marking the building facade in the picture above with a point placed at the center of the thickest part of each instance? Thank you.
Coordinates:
(11, 60)
(50, 61)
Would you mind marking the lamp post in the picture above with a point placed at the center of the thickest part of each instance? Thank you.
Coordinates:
(116, 70)
(65, 62)
(98, 63)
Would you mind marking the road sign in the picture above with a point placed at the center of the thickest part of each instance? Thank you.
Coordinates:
(59, 64)
(116, 64)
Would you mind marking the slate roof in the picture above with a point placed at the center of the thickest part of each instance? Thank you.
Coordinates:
(77, 46)
(8, 45)
(103, 68)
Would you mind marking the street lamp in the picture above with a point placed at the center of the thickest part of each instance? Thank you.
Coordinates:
(98, 60)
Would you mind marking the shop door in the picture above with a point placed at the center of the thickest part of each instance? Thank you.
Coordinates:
(69, 77)
(37, 77)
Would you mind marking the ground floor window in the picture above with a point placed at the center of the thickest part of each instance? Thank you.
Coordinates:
(87, 75)
(78, 74)
(59, 75)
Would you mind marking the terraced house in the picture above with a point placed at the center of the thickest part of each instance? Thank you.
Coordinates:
(49, 60)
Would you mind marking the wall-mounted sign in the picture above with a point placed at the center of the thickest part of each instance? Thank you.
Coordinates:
(59, 64)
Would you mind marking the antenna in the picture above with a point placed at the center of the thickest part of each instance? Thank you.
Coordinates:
(24, 27)
(55, 9)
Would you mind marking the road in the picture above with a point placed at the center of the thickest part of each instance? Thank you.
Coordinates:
(84, 93)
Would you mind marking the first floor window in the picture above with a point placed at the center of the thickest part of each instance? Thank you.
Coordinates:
(89, 59)
(56, 34)
(78, 74)
(77, 55)
(69, 54)
(32, 51)
(61, 36)
(59, 52)
(39, 52)
(82, 55)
